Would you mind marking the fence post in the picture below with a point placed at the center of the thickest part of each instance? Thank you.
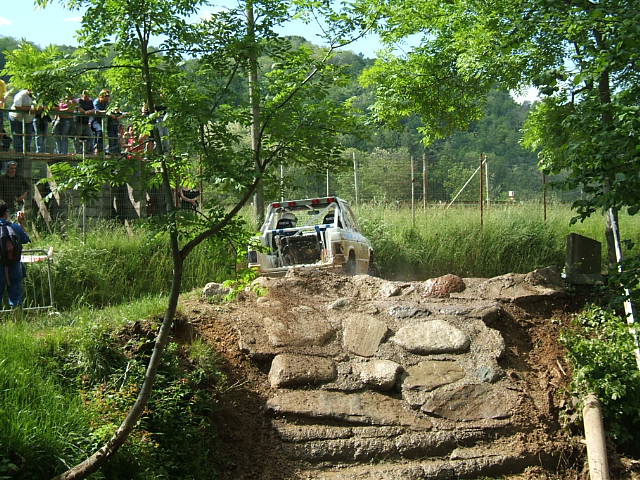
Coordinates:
(24, 136)
(355, 175)
(281, 181)
(105, 136)
(425, 180)
(544, 196)
(481, 190)
(327, 182)
(413, 193)
(486, 177)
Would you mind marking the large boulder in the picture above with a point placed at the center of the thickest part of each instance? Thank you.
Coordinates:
(443, 286)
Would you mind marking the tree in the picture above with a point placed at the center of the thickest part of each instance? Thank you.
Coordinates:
(296, 123)
(581, 55)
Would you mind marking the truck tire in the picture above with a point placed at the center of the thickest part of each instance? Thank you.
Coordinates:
(350, 267)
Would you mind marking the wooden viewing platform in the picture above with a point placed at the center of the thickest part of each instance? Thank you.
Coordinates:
(121, 202)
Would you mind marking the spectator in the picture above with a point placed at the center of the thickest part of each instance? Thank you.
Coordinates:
(83, 123)
(187, 199)
(13, 275)
(63, 124)
(21, 118)
(5, 140)
(113, 130)
(41, 128)
(13, 188)
(134, 143)
(100, 107)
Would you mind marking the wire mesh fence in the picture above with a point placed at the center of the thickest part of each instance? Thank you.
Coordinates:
(387, 178)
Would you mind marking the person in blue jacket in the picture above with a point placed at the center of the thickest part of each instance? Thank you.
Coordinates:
(12, 276)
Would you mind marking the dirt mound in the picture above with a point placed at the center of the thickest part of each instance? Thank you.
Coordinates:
(356, 377)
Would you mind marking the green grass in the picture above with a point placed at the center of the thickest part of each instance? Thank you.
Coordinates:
(512, 239)
(38, 415)
(67, 381)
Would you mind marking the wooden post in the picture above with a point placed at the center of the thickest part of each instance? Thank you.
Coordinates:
(486, 177)
(544, 196)
(327, 182)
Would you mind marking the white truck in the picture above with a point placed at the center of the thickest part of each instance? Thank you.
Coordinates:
(317, 232)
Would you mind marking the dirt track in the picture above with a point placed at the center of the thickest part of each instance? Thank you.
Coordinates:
(312, 413)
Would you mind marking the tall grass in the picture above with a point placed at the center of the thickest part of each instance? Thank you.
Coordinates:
(513, 239)
(110, 264)
(39, 417)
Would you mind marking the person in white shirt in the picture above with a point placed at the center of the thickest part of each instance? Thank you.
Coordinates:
(21, 119)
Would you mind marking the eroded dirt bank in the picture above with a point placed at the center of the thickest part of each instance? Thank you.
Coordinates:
(357, 377)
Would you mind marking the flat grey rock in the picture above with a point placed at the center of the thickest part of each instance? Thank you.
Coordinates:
(297, 370)
(368, 408)
(431, 374)
(380, 374)
(406, 311)
(470, 402)
(362, 335)
(298, 330)
(435, 336)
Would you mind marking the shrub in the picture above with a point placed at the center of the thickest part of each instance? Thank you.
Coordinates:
(601, 351)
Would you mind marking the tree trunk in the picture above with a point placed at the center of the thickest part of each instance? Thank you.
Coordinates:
(104, 453)
(100, 457)
(254, 100)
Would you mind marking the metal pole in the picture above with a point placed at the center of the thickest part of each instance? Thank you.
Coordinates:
(413, 193)
(24, 137)
(486, 177)
(628, 306)
(425, 178)
(544, 196)
(281, 181)
(327, 182)
(481, 190)
(355, 175)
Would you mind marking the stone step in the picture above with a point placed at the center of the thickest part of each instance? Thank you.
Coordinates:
(326, 443)
(469, 463)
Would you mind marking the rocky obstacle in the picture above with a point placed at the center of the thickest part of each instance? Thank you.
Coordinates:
(373, 379)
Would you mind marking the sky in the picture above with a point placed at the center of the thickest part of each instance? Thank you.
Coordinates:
(55, 25)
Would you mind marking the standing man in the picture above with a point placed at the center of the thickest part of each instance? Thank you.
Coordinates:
(22, 116)
(12, 237)
(100, 107)
(13, 188)
(83, 123)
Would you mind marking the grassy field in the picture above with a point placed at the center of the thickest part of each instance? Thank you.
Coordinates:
(512, 239)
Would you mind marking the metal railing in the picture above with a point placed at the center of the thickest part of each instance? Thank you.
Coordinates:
(70, 133)
(38, 289)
